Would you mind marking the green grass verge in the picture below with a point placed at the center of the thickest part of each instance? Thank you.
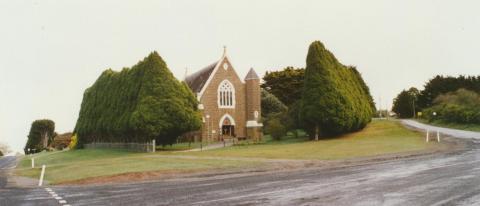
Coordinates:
(179, 146)
(468, 127)
(379, 137)
(81, 164)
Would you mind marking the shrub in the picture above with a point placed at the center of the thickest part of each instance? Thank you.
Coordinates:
(270, 104)
(73, 142)
(61, 141)
(462, 106)
(275, 128)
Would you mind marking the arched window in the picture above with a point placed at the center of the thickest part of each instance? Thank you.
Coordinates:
(226, 95)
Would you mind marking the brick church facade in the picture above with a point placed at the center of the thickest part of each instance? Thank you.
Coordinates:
(230, 106)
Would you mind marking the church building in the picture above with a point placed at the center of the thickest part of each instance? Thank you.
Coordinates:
(230, 105)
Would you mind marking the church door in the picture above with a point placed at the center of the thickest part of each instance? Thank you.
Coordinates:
(227, 128)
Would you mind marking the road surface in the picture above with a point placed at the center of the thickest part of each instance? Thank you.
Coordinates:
(12, 195)
(442, 179)
(446, 131)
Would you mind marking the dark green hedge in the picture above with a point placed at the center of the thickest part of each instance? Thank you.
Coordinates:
(39, 129)
(137, 104)
(335, 98)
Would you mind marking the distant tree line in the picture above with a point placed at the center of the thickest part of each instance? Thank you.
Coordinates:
(444, 98)
(327, 98)
(461, 106)
(444, 84)
(137, 104)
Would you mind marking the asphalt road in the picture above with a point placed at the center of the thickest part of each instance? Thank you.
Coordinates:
(443, 179)
(12, 195)
(445, 131)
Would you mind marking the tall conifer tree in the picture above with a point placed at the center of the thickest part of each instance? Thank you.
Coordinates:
(334, 100)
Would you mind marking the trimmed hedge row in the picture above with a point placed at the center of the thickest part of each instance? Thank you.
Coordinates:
(137, 104)
(40, 129)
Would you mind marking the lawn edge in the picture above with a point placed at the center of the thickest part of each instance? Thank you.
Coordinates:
(452, 145)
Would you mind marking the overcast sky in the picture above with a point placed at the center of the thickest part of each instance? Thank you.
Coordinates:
(51, 51)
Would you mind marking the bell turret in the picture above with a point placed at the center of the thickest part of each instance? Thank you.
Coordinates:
(252, 87)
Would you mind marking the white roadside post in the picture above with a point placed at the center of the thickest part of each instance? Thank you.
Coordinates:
(438, 136)
(427, 136)
(154, 145)
(33, 163)
(41, 176)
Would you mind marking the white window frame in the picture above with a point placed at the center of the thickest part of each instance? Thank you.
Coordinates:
(226, 97)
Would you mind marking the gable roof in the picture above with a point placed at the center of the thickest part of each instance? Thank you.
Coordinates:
(197, 80)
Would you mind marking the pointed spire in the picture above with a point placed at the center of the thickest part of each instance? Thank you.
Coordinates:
(251, 75)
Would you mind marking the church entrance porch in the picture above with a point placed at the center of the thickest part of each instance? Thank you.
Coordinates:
(227, 127)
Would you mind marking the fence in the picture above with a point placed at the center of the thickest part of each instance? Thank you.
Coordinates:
(139, 147)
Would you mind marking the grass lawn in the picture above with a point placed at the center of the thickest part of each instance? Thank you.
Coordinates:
(81, 164)
(379, 137)
(179, 146)
(468, 127)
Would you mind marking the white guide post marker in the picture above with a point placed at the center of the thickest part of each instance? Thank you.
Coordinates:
(153, 145)
(438, 136)
(41, 176)
(33, 162)
(427, 136)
